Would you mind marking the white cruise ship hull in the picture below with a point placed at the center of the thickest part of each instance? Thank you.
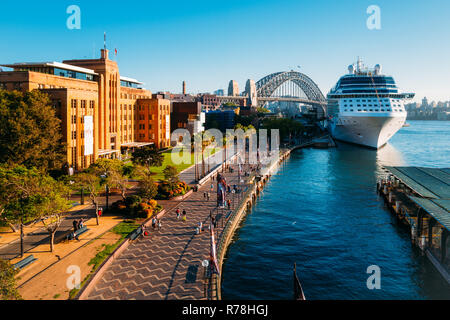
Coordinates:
(370, 131)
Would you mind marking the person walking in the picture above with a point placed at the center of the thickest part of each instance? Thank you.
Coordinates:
(208, 195)
(75, 225)
(159, 225)
(184, 215)
(229, 204)
(178, 214)
(212, 187)
(154, 223)
(144, 231)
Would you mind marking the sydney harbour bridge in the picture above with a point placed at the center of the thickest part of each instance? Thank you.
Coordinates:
(290, 86)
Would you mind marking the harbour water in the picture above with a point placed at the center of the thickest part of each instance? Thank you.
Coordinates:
(321, 211)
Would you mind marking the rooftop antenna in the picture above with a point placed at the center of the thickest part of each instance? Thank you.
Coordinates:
(104, 40)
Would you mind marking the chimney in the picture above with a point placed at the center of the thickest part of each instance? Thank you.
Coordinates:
(105, 54)
(184, 87)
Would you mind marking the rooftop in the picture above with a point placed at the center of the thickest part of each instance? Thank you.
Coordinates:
(427, 182)
(49, 64)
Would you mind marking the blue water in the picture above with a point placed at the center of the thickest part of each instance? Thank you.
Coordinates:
(321, 211)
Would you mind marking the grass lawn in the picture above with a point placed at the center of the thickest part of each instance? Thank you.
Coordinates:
(181, 167)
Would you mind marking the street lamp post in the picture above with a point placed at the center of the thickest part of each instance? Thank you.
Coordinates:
(107, 196)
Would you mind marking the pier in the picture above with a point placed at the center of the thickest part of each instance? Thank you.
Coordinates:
(420, 199)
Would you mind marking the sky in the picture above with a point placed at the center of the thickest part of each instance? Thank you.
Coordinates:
(209, 43)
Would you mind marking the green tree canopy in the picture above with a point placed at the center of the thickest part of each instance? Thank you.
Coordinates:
(30, 131)
(8, 284)
(148, 156)
(171, 175)
(286, 126)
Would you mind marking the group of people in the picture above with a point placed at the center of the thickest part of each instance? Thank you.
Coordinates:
(77, 225)
(183, 215)
(156, 224)
(206, 196)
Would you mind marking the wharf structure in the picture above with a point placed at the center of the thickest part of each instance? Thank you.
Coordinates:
(420, 198)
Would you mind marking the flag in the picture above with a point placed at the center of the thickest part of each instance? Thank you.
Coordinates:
(115, 52)
(214, 263)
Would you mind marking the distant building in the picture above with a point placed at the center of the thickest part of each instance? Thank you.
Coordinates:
(233, 89)
(220, 119)
(219, 92)
(210, 101)
(187, 115)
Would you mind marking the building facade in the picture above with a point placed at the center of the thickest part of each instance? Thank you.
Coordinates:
(98, 107)
(187, 115)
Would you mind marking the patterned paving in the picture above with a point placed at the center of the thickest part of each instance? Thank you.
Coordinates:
(167, 264)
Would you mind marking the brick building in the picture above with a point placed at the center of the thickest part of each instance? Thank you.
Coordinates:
(98, 107)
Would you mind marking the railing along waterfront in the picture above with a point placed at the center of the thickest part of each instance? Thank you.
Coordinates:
(235, 217)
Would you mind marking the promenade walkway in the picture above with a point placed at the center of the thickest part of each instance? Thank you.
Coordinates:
(167, 264)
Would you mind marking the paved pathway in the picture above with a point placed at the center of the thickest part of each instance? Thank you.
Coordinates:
(212, 162)
(32, 240)
(167, 264)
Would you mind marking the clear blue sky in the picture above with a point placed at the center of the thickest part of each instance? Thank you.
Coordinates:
(208, 43)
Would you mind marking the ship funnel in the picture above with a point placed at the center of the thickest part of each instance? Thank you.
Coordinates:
(378, 69)
(351, 69)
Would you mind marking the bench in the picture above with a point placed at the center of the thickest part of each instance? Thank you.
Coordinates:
(136, 233)
(25, 262)
(78, 233)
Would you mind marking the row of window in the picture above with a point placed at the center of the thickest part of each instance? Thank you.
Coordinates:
(374, 110)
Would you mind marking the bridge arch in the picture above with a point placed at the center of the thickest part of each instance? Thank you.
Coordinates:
(267, 85)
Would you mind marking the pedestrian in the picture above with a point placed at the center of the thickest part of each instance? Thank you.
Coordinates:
(178, 214)
(75, 225)
(208, 195)
(184, 215)
(154, 223)
(200, 226)
(204, 195)
(214, 223)
(212, 187)
(229, 204)
(81, 223)
(159, 225)
(144, 231)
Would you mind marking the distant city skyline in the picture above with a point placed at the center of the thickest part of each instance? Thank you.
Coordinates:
(207, 44)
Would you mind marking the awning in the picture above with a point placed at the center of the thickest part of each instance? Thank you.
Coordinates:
(438, 209)
(106, 152)
(136, 144)
(427, 182)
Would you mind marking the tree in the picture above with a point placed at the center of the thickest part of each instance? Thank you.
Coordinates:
(8, 289)
(92, 183)
(116, 179)
(262, 110)
(30, 131)
(287, 127)
(21, 196)
(54, 206)
(148, 156)
(148, 189)
(171, 175)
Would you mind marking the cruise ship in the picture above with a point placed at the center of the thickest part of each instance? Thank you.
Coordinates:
(365, 107)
